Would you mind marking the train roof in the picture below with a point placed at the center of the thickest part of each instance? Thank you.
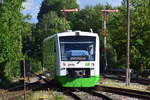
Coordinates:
(71, 33)
(78, 33)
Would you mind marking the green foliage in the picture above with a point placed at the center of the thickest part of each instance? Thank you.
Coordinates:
(16, 39)
(140, 25)
(10, 32)
(49, 56)
(56, 5)
(140, 32)
(87, 18)
(112, 57)
(35, 65)
(12, 28)
(50, 24)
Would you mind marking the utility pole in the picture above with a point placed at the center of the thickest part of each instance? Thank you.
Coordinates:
(128, 45)
(105, 13)
(105, 38)
(24, 69)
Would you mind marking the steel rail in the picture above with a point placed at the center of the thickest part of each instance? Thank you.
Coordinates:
(141, 81)
(71, 94)
(16, 91)
(13, 94)
(128, 92)
(94, 93)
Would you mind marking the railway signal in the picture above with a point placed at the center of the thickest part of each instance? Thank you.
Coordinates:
(70, 10)
(105, 13)
(115, 10)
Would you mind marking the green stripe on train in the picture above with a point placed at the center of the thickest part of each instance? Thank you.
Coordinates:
(78, 82)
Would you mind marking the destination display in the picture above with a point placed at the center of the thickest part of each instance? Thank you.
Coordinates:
(78, 58)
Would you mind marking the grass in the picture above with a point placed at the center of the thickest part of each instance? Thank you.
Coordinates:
(123, 85)
(45, 95)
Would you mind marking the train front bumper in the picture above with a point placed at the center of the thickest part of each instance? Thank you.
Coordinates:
(78, 82)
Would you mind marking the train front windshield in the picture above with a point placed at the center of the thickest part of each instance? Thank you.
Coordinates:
(77, 48)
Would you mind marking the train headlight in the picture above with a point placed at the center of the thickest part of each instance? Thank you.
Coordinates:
(63, 64)
(93, 64)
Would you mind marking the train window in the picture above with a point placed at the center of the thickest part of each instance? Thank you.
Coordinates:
(77, 48)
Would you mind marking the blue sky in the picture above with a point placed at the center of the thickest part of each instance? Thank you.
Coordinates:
(32, 7)
(84, 3)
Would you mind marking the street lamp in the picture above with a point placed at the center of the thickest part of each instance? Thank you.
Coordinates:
(105, 13)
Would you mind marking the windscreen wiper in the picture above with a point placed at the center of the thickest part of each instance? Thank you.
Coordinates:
(78, 62)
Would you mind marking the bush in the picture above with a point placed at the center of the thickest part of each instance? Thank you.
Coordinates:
(35, 65)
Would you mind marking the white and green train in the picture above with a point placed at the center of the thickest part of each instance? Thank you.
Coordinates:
(77, 58)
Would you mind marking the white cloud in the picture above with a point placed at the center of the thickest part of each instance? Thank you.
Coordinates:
(28, 4)
(32, 7)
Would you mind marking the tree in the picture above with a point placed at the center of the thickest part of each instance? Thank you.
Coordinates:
(118, 32)
(89, 17)
(50, 24)
(56, 5)
(140, 33)
(140, 23)
(12, 28)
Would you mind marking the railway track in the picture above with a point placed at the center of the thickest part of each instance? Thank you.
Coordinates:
(127, 92)
(73, 95)
(74, 92)
(92, 92)
(85, 94)
(141, 81)
(11, 95)
(17, 91)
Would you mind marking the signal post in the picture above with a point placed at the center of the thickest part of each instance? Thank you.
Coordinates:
(128, 70)
(105, 13)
